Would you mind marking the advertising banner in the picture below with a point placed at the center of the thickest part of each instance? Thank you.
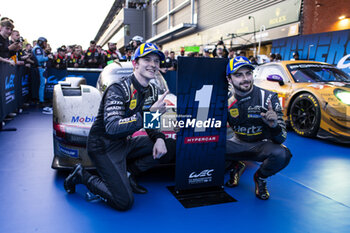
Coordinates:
(53, 77)
(91, 75)
(22, 86)
(9, 81)
(201, 117)
(329, 47)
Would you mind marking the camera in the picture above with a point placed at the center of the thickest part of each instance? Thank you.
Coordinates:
(20, 40)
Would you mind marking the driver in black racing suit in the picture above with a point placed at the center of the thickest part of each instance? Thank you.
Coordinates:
(116, 155)
(255, 115)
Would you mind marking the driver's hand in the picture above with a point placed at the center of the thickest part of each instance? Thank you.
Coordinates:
(270, 117)
(159, 148)
(160, 105)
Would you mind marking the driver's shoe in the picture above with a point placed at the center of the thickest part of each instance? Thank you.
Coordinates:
(260, 187)
(135, 187)
(74, 178)
(235, 174)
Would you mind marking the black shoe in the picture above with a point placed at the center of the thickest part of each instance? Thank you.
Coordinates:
(235, 174)
(260, 187)
(41, 104)
(74, 178)
(135, 187)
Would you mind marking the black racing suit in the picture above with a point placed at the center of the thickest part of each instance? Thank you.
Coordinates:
(253, 139)
(111, 147)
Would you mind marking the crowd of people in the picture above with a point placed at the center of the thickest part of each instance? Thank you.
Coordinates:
(74, 56)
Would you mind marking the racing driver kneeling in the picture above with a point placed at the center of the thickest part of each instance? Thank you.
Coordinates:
(256, 117)
(118, 157)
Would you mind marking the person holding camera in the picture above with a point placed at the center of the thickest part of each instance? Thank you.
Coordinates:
(7, 50)
(220, 50)
(18, 56)
(27, 56)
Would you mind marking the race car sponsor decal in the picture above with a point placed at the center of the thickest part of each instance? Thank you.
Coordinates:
(170, 135)
(114, 113)
(234, 112)
(282, 101)
(307, 65)
(38, 51)
(128, 120)
(254, 116)
(293, 126)
(115, 108)
(116, 102)
(338, 84)
(255, 109)
(313, 100)
(250, 131)
(68, 152)
(86, 119)
(133, 104)
(317, 86)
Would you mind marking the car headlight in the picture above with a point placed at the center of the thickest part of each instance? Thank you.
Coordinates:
(342, 95)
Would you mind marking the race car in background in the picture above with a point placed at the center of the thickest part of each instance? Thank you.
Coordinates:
(315, 97)
(75, 106)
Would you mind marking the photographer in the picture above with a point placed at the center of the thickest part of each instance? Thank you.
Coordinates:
(220, 50)
(27, 56)
(6, 49)
(135, 42)
(16, 38)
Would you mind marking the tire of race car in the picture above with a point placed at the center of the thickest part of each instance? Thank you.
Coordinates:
(305, 115)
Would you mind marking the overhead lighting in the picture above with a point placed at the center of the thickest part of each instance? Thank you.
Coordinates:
(341, 17)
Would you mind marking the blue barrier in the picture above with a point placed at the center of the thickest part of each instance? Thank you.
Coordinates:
(14, 88)
(91, 76)
(55, 75)
(18, 84)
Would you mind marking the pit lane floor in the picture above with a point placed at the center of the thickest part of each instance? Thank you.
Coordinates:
(311, 195)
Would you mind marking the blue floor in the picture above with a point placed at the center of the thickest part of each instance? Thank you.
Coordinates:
(311, 195)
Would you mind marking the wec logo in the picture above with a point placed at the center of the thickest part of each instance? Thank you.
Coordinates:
(9, 82)
(204, 173)
(25, 80)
